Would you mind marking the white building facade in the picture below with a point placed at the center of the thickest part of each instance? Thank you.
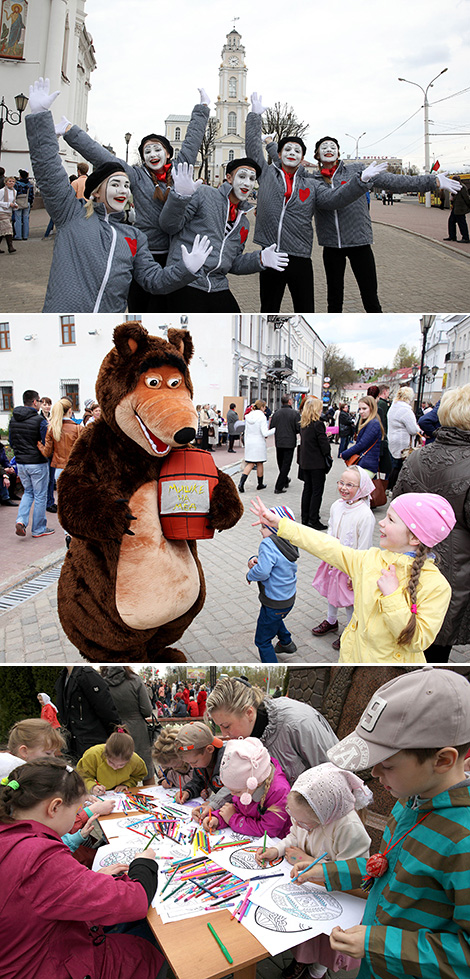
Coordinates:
(239, 356)
(46, 38)
(457, 358)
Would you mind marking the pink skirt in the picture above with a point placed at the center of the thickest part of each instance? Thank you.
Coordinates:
(333, 584)
(319, 951)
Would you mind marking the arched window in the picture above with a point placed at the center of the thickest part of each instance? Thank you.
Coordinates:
(177, 133)
(232, 88)
(232, 122)
(231, 155)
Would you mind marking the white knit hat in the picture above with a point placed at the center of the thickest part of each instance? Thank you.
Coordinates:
(245, 765)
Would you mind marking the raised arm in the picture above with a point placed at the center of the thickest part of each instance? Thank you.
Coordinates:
(195, 131)
(91, 150)
(253, 138)
(51, 176)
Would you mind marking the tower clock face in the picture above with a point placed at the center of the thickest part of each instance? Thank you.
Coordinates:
(233, 62)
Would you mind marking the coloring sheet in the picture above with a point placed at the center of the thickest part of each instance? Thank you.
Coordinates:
(240, 860)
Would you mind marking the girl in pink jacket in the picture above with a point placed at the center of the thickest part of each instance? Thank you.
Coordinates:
(259, 791)
(52, 909)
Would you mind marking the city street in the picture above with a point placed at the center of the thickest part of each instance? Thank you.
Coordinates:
(417, 270)
(223, 631)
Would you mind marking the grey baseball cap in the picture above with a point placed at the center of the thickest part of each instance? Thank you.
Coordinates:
(195, 737)
(424, 709)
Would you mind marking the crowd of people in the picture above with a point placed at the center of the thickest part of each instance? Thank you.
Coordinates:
(174, 240)
(276, 767)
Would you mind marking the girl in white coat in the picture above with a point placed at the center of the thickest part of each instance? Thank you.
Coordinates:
(256, 453)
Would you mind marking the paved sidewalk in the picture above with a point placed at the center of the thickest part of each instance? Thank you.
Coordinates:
(223, 632)
(416, 270)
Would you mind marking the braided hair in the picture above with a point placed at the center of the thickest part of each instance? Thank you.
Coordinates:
(422, 552)
(36, 781)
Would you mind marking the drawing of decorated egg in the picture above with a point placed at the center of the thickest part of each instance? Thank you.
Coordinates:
(245, 857)
(125, 855)
(277, 922)
(305, 901)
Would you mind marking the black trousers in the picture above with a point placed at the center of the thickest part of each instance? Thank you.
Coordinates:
(459, 220)
(314, 484)
(190, 300)
(140, 301)
(284, 461)
(363, 267)
(298, 277)
(437, 654)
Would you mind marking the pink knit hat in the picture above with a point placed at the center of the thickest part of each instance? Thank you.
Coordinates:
(430, 517)
(245, 765)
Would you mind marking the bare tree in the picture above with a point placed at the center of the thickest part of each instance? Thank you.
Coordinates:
(207, 145)
(282, 120)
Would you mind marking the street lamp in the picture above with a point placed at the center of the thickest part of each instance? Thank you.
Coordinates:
(127, 137)
(426, 125)
(9, 115)
(357, 141)
(425, 323)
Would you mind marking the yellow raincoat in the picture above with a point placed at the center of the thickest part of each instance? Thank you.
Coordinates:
(377, 621)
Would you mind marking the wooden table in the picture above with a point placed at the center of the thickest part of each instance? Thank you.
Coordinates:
(190, 948)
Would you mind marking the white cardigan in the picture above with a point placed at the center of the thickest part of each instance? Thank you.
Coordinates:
(343, 839)
(401, 423)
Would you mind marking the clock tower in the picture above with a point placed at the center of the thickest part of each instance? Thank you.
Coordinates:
(231, 107)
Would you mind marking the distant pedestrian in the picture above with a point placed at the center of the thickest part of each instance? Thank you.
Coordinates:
(286, 423)
(457, 217)
(232, 417)
(26, 429)
(24, 202)
(256, 453)
(7, 206)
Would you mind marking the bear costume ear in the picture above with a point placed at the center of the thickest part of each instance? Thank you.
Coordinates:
(129, 337)
(181, 339)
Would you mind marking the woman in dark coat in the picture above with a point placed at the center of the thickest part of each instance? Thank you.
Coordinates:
(443, 467)
(131, 697)
(313, 456)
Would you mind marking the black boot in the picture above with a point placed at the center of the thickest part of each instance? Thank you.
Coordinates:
(261, 485)
(9, 241)
(243, 479)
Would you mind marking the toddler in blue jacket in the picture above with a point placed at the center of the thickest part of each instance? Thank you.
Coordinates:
(275, 570)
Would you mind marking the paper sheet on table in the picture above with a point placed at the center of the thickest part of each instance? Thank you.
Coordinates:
(240, 860)
(285, 914)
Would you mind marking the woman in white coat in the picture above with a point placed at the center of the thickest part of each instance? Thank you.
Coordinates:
(401, 427)
(256, 453)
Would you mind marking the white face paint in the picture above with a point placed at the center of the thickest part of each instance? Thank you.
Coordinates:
(117, 192)
(328, 152)
(243, 182)
(291, 154)
(155, 155)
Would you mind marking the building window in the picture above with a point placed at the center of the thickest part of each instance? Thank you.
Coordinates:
(67, 327)
(232, 122)
(69, 388)
(6, 397)
(231, 155)
(232, 87)
(5, 336)
(177, 133)
(133, 318)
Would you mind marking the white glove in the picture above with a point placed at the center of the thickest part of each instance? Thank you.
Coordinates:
(268, 138)
(271, 259)
(183, 182)
(373, 170)
(446, 183)
(257, 104)
(39, 97)
(205, 98)
(194, 260)
(62, 126)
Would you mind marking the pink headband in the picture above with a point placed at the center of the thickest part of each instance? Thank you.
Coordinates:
(429, 517)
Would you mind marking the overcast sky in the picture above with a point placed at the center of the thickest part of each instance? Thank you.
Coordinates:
(339, 71)
(371, 340)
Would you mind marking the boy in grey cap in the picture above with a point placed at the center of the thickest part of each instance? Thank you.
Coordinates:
(417, 916)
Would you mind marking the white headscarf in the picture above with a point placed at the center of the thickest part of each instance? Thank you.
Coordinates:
(47, 700)
(332, 792)
(365, 488)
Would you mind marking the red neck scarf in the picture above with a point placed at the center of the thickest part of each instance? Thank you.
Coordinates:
(329, 171)
(232, 216)
(289, 180)
(159, 174)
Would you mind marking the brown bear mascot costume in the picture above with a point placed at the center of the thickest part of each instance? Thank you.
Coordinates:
(126, 592)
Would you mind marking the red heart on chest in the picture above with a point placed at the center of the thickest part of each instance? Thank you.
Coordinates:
(303, 194)
(132, 242)
(243, 235)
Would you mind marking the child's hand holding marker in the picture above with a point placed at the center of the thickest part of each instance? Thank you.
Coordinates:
(98, 789)
(182, 797)
(305, 870)
(263, 856)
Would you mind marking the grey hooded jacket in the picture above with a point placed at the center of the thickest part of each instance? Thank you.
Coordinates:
(206, 213)
(289, 223)
(352, 226)
(94, 258)
(147, 210)
(297, 735)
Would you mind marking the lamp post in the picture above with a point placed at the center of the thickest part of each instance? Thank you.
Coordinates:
(127, 137)
(9, 115)
(426, 125)
(425, 323)
(357, 141)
